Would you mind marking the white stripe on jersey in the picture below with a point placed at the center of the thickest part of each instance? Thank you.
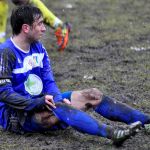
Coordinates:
(30, 62)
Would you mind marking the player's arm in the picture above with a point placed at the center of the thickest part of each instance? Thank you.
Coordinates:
(7, 94)
(50, 86)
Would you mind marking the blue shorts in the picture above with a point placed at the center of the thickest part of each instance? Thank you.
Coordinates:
(30, 124)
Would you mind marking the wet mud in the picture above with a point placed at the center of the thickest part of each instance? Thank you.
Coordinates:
(109, 48)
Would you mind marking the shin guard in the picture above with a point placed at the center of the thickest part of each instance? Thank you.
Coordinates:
(81, 121)
(116, 111)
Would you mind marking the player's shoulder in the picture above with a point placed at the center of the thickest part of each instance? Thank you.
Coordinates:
(6, 45)
(38, 46)
(6, 48)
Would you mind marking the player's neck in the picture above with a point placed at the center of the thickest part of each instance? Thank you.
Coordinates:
(21, 42)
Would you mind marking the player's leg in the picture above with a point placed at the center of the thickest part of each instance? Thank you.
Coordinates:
(85, 99)
(3, 20)
(84, 123)
(39, 121)
(115, 110)
(107, 106)
(79, 120)
(45, 120)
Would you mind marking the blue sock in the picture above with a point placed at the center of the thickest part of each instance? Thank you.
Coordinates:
(116, 111)
(81, 121)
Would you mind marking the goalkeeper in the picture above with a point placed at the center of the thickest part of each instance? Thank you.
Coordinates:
(61, 29)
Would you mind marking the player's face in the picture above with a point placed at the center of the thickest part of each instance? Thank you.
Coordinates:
(36, 30)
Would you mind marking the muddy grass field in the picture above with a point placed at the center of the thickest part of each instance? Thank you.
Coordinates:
(109, 49)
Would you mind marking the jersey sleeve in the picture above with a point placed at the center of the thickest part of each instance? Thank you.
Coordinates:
(7, 94)
(49, 17)
(50, 86)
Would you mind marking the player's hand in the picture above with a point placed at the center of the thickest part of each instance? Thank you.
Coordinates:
(62, 35)
(49, 101)
(66, 101)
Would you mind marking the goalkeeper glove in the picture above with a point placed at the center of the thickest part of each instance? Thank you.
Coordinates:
(62, 35)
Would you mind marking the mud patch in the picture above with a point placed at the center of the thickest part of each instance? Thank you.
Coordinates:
(103, 32)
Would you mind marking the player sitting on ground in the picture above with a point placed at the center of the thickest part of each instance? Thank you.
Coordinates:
(31, 100)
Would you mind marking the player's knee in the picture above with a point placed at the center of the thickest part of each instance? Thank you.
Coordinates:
(92, 93)
(53, 120)
(93, 97)
(87, 98)
(46, 119)
(97, 93)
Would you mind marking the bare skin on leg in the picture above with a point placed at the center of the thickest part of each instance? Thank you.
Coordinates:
(85, 99)
(82, 100)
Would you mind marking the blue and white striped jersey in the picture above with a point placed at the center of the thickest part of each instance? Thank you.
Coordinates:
(24, 78)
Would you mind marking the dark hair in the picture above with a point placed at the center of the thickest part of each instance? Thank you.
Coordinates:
(23, 15)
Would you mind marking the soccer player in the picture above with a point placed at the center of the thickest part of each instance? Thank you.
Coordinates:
(61, 29)
(30, 98)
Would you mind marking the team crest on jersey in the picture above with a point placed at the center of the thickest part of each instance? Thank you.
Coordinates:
(33, 85)
(30, 62)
